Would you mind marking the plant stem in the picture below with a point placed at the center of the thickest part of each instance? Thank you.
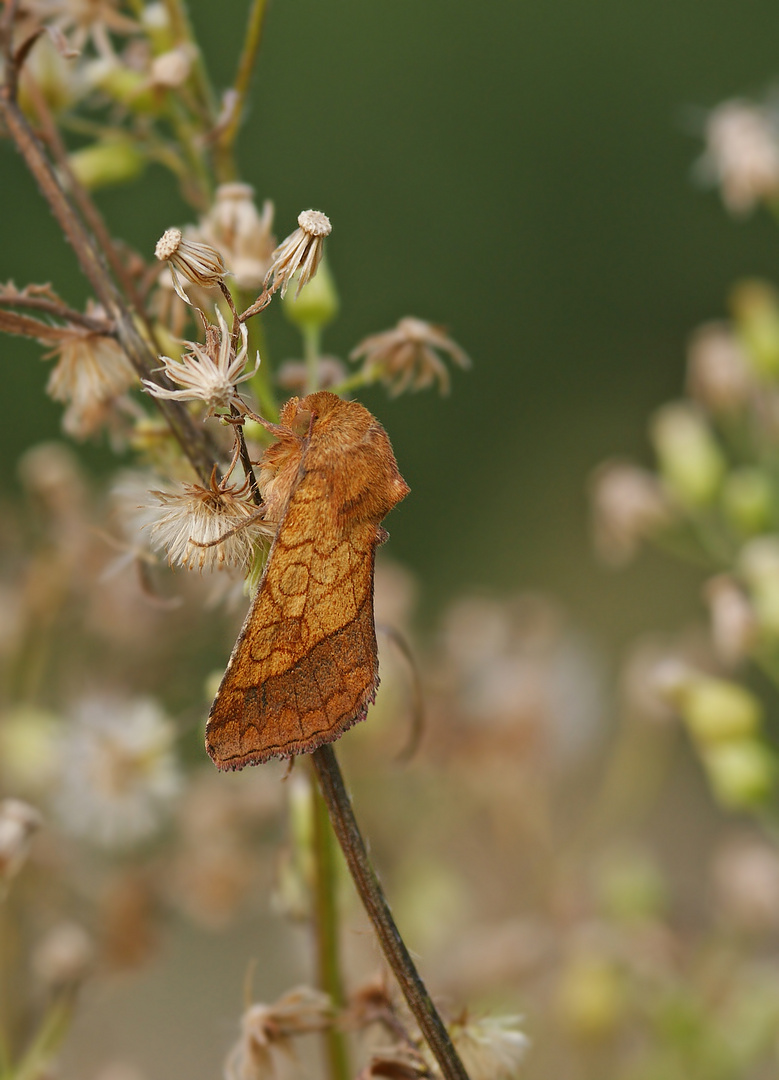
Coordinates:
(93, 265)
(224, 164)
(327, 931)
(367, 883)
(311, 347)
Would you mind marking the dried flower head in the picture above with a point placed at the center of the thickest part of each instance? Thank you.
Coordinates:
(92, 372)
(64, 957)
(18, 823)
(234, 226)
(171, 69)
(85, 21)
(293, 374)
(406, 357)
(628, 505)
(492, 1048)
(742, 154)
(264, 1050)
(208, 528)
(734, 628)
(199, 263)
(718, 371)
(209, 372)
(746, 883)
(118, 773)
(300, 253)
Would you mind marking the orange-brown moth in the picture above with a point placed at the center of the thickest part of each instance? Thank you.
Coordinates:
(304, 667)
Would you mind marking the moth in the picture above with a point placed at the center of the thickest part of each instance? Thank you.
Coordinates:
(304, 668)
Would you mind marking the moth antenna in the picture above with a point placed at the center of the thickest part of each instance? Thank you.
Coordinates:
(417, 697)
(246, 414)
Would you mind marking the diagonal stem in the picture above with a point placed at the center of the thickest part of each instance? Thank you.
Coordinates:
(192, 441)
(372, 895)
(223, 146)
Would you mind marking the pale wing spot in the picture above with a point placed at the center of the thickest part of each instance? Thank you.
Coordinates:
(294, 579)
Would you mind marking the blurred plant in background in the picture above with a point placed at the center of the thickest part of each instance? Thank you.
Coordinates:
(549, 850)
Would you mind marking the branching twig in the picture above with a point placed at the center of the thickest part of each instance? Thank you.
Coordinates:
(192, 440)
(57, 310)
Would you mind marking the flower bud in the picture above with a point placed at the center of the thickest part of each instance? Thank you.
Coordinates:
(748, 500)
(690, 459)
(754, 305)
(759, 565)
(628, 505)
(122, 84)
(29, 757)
(316, 305)
(18, 822)
(733, 619)
(590, 997)
(718, 372)
(631, 887)
(155, 21)
(742, 773)
(63, 959)
(110, 161)
(718, 711)
(55, 76)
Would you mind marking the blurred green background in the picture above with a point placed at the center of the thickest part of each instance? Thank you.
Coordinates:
(523, 174)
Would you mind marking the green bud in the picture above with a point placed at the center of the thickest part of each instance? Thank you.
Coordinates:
(590, 998)
(123, 84)
(211, 684)
(29, 739)
(754, 305)
(748, 500)
(690, 459)
(112, 161)
(742, 774)
(150, 435)
(631, 887)
(717, 711)
(256, 570)
(156, 24)
(759, 565)
(60, 81)
(317, 304)
(765, 600)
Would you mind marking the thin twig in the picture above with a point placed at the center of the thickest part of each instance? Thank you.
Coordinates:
(83, 199)
(192, 441)
(58, 311)
(223, 145)
(367, 883)
(246, 461)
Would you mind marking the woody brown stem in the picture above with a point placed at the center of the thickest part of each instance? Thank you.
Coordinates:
(246, 461)
(56, 309)
(192, 441)
(372, 895)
